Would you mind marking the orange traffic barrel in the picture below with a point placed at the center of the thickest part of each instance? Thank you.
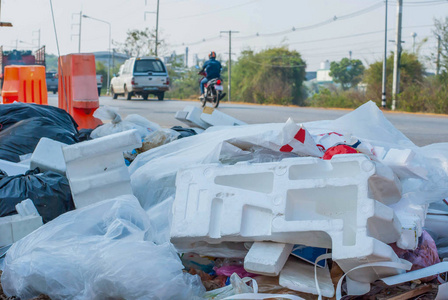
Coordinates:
(77, 89)
(25, 84)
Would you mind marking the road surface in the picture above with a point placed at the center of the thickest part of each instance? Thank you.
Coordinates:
(422, 129)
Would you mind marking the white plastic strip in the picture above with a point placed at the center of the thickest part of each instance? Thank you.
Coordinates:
(394, 265)
(318, 259)
(417, 274)
(263, 296)
(443, 292)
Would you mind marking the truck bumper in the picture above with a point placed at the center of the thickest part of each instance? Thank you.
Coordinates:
(150, 90)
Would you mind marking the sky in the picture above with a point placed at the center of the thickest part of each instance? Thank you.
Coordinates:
(324, 29)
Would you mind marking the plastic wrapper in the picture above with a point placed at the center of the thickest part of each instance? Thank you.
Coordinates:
(158, 138)
(237, 286)
(424, 256)
(117, 124)
(102, 251)
(16, 112)
(49, 191)
(184, 132)
(23, 137)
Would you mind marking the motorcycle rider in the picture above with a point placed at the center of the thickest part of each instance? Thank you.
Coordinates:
(212, 68)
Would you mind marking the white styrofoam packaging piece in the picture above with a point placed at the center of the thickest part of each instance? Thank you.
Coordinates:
(191, 115)
(401, 161)
(299, 276)
(15, 227)
(12, 168)
(96, 169)
(216, 118)
(48, 156)
(304, 200)
(267, 258)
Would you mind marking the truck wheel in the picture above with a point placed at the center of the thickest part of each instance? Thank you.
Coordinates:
(145, 96)
(99, 91)
(114, 96)
(127, 94)
(160, 96)
(54, 91)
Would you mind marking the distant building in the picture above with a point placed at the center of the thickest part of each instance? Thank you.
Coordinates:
(323, 74)
(116, 58)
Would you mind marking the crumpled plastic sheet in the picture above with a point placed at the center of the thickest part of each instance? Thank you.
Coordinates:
(102, 251)
(117, 124)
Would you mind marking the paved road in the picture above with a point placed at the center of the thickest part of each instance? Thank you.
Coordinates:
(421, 129)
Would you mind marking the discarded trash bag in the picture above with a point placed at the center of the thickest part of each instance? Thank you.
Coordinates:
(184, 132)
(98, 252)
(49, 191)
(16, 112)
(117, 124)
(23, 137)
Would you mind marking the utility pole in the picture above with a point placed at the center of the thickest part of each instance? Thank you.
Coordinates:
(438, 56)
(397, 56)
(230, 61)
(383, 94)
(186, 57)
(38, 38)
(350, 54)
(157, 27)
(79, 34)
(414, 34)
(3, 24)
(80, 20)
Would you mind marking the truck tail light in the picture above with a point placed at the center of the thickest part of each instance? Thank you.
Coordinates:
(101, 78)
(133, 81)
(167, 81)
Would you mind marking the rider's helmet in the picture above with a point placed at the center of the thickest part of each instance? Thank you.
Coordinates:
(212, 54)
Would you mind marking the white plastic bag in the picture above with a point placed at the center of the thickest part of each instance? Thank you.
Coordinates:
(101, 251)
(117, 124)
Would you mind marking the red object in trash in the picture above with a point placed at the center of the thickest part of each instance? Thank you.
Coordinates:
(339, 149)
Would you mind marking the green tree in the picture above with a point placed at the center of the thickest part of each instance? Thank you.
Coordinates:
(141, 43)
(51, 62)
(411, 72)
(347, 72)
(271, 76)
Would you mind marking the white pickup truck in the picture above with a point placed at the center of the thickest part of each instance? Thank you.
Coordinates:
(141, 76)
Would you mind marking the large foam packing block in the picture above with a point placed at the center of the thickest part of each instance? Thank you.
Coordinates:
(216, 118)
(15, 227)
(305, 200)
(96, 169)
(48, 156)
(267, 258)
(191, 115)
(12, 168)
(299, 276)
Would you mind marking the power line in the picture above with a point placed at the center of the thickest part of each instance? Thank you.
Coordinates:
(213, 11)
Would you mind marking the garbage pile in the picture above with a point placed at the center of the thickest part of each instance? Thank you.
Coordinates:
(226, 210)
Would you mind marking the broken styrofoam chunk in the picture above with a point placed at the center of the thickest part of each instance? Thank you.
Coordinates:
(402, 162)
(215, 118)
(299, 276)
(305, 200)
(15, 227)
(96, 169)
(48, 156)
(26, 208)
(267, 258)
(12, 168)
(191, 115)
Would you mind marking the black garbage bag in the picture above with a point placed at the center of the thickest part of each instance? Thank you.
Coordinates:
(23, 137)
(15, 112)
(184, 132)
(49, 191)
(84, 134)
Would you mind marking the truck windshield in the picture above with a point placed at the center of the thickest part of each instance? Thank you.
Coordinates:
(149, 65)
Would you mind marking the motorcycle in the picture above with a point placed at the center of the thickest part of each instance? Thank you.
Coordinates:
(212, 90)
